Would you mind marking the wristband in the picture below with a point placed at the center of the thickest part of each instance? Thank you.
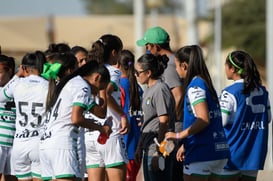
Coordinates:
(177, 135)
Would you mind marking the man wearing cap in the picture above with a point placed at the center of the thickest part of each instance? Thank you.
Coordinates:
(157, 42)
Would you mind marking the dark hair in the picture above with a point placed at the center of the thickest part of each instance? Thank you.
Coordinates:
(127, 62)
(246, 68)
(68, 61)
(156, 64)
(102, 48)
(34, 60)
(77, 49)
(165, 46)
(85, 70)
(55, 48)
(8, 62)
(193, 56)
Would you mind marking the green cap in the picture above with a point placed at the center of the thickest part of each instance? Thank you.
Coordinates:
(155, 35)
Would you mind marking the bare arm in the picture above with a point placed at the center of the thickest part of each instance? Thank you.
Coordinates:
(111, 101)
(201, 122)
(163, 127)
(114, 106)
(77, 118)
(101, 109)
(177, 94)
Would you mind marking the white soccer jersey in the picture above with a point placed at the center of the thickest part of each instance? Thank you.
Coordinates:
(29, 94)
(60, 133)
(115, 75)
(7, 123)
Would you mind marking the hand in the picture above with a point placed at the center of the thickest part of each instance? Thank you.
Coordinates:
(180, 154)
(106, 129)
(107, 125)
(124, 125)
(170, 135)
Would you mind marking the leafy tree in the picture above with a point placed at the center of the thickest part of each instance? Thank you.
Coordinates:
(124, 6)
(243, 26)
(109, 6)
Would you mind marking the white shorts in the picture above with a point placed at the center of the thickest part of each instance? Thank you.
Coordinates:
(111, 154)
(206, 168)
(25, 159)
(5, 160)
(56, 164)
(233, 173)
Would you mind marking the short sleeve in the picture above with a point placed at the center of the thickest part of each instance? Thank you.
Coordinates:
(8, 90)
(83, 98)
(227, 104)
(196, 95)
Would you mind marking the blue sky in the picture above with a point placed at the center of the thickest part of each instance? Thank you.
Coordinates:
(41, 7)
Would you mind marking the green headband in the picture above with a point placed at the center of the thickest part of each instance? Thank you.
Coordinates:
(240, 71)
(51, 70)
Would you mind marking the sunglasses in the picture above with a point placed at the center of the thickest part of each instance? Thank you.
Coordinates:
(137, 73)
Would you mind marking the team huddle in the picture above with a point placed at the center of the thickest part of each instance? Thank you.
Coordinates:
(72, 114)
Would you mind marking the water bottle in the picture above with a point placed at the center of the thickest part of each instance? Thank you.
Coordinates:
(165, 147)
(103, 136)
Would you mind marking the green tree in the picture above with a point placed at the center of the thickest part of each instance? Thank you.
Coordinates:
(109, 6)
(243, 26)
(123, 6)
